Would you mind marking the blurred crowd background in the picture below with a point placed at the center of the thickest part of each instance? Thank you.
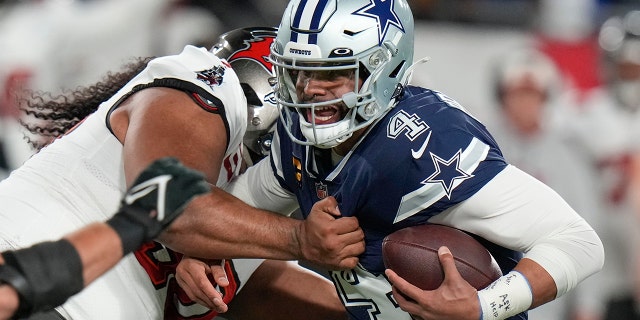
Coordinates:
(556, 81)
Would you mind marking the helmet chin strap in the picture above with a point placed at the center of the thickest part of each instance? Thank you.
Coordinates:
(344, 138)
(407, 74)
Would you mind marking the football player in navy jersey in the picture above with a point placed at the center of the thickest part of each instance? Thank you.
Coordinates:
(395, 155)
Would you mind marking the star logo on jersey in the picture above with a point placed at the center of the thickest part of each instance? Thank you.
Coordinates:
(447, 172)
(212, 77)
(257, 50)
(382, 11)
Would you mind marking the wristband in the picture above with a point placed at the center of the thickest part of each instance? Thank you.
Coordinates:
(48, 273)
(505, 297)
(12, 277)
(130, 226)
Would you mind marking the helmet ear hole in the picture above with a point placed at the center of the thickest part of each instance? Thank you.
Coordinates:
(250, 94)
(363, 73)
(396, 71)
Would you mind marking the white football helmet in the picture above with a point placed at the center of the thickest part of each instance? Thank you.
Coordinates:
(620, 40)
(526, 67)
(247, 50)
(371, 41)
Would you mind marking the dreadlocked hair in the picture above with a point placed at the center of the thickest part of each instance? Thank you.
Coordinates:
(51, 115)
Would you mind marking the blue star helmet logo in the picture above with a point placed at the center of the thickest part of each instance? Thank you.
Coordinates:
(382, 11)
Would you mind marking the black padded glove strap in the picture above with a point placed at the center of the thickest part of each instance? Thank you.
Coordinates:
(156, 198)
(131, 224)
(53, 273)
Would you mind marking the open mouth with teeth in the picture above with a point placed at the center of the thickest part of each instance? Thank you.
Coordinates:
(325, 114)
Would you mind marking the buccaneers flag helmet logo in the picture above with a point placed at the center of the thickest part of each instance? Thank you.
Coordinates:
(257, 49)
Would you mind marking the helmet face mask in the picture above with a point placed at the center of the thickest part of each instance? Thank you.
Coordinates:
(371, 43)
(296, 75)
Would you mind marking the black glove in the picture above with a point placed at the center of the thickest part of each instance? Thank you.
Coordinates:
(158, 196)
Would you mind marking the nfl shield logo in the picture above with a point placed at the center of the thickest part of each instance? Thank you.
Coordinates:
(321, 190)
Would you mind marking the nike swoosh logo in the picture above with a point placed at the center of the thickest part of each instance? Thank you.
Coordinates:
(418, 154)
(353, 33)
(138, 193)
(141, 190)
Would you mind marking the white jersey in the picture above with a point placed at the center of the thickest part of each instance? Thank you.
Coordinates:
(79, 179)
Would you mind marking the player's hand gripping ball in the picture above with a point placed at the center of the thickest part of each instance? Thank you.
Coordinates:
(413, 254)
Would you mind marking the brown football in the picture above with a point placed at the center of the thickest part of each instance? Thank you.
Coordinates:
(413, 254)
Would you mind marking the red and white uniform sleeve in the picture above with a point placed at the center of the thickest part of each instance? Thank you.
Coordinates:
(213, 85)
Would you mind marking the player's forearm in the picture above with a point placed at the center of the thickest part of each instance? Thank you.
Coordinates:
(99, 248)
(221, 226)
(543, 287)
(44, 275)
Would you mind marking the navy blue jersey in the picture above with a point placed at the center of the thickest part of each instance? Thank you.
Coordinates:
(424, 156)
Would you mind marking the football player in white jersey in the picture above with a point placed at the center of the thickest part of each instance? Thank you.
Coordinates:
(190, 106)
(614, 109)
(43, 276)
(529, 96)
(394, 155)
